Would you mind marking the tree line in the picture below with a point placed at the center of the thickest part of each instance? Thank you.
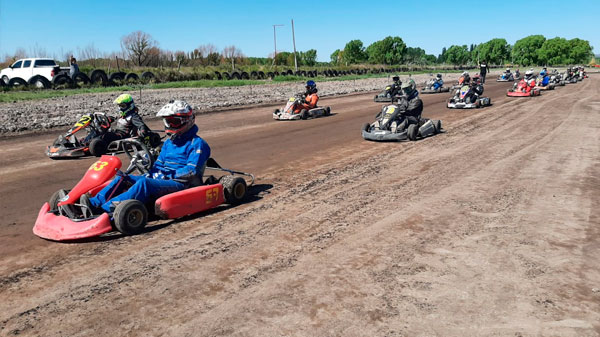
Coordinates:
(141, 50)
(528, 51)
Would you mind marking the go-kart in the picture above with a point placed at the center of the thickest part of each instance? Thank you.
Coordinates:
(287, 113)
(556, 78)
(468, 97)
(506, 77)
(388, 94)
(517, 75)
(544, 83)
(430, 87)
(391, 125)
(64, 218)
(523, 89)
(461, 82)
(98, 140)
(68, 145)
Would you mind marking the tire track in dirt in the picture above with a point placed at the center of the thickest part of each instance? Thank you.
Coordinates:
(331, 262)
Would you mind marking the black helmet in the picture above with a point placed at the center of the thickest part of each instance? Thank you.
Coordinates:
(396, 78)
(439, 76)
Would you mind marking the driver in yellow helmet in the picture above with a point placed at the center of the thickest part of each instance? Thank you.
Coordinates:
(129, 123)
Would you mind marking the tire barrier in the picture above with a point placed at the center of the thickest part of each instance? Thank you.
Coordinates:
(132, 77)
(218, 75)
(98, 76)
(39, 82)
(62, 80)
(81, 78)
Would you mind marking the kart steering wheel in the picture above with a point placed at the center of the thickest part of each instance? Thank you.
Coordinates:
(140, 157)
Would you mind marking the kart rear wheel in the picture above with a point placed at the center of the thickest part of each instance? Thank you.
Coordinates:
(234, 188)
(438, 126)
(327, 111)
(304, 114)
(131, 217)
(97, 147)
(412, 132)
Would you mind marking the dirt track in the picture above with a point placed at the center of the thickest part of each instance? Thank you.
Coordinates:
(490, 229)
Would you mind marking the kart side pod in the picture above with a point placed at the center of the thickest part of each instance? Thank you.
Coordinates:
(190, 201)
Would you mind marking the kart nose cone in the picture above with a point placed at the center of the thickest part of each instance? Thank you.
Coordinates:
(60, 228)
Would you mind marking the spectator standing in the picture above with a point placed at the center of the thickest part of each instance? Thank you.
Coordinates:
(74, 68)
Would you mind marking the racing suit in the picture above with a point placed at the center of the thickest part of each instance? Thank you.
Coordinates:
(310, 102)
(180, 165)
(409, 109)
(130, 125)
(438, 84)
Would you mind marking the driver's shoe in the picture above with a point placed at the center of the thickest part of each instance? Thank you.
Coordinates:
(87, 208)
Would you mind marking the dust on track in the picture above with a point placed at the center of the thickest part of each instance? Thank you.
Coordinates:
(488, 229)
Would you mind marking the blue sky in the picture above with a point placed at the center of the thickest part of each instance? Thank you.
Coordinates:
(60, 26)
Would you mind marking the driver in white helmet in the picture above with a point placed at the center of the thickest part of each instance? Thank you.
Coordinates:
(180, 165)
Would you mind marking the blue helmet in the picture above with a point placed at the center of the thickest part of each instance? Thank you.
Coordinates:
(543, 73)
(311, 86)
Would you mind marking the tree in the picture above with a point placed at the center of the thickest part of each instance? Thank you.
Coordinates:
(354, 52)
(232, 53)
(580, 50)
(335, 56)
(442, 56)
(495, 51)
(554, 51)
(524, 51)
(458, 55)
(282, 58)
(415, 56)
(136, 46)
(309, 57)
(387, 51)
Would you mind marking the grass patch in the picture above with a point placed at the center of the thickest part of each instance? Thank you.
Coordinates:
(9, 96)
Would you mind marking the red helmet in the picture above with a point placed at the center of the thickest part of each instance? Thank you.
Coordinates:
(177, 116)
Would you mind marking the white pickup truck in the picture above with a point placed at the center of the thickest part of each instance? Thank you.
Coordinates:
(37, 72)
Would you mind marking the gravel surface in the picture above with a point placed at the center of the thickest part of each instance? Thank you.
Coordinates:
(38, 115)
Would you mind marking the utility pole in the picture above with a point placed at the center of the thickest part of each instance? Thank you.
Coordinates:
(275, 41)
(294, 40)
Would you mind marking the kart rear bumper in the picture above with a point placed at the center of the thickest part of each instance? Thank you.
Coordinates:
(60, 228)
(435, 91)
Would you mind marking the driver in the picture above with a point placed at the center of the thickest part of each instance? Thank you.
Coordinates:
(130, 123)
(310, 97)
(465, 78)
(410, 104)
(180, 165)
(438, 82)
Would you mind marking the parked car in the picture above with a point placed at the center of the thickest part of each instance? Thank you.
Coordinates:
(38, 72)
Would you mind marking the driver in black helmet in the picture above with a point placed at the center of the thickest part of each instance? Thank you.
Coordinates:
(409, 103)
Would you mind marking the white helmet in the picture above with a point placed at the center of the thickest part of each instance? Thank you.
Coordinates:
(177, 116)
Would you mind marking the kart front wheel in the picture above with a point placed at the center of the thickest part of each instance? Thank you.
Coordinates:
(234, 188)
(55, 198)
(130, 217)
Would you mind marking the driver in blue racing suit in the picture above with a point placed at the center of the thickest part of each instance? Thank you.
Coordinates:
(438, 82)
(545, 78)
(180, 164)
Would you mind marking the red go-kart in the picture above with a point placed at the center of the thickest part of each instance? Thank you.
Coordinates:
(64, 218)
(524, 89)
